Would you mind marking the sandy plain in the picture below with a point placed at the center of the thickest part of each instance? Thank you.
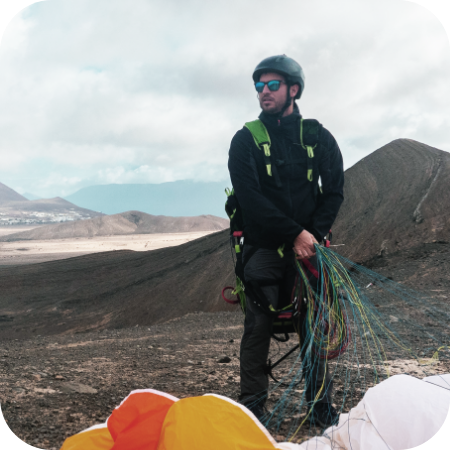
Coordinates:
(37, 251)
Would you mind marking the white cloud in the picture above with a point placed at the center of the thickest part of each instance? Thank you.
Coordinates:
(98, 91)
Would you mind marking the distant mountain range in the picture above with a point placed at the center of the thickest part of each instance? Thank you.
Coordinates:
(178, 198)
(130, 222)
(15, 209)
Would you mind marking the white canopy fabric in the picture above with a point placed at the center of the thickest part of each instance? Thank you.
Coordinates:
(400, 413)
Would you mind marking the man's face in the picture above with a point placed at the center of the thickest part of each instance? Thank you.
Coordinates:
(272, 102)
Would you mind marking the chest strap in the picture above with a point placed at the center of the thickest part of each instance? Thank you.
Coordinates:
(309, 151)
(262, 141)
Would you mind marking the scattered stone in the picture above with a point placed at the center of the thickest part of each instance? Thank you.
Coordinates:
(44, 391)
(59, 377)
(393, 319)
(77, 387)
(224, 360)
(18, 390)
(190, 362)
(231, 341)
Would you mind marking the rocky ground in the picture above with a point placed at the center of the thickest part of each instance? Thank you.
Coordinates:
(53, 387)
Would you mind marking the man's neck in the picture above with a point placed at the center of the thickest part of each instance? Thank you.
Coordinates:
(288, 111)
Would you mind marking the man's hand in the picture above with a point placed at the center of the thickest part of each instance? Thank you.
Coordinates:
(304, 245)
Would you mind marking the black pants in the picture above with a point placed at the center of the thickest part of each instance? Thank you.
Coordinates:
(265, 265)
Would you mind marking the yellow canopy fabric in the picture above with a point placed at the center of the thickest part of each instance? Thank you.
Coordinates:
(213, 422)
(95, 438)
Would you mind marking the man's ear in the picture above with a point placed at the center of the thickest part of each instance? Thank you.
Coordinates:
(294, 90)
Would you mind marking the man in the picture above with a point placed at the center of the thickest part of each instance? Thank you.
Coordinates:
(284, 212)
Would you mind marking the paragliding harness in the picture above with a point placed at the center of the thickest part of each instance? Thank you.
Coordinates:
(286, 319)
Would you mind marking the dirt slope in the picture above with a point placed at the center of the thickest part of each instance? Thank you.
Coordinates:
(395, 198)
(130, 222)
(115, 289)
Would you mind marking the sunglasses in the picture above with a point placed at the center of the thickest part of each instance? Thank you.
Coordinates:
(273, 85)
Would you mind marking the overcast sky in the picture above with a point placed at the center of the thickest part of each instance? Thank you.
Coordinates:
(97, 92)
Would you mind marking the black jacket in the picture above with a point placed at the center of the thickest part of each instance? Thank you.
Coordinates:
(277, 215)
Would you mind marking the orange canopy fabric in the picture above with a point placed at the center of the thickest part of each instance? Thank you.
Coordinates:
(136, 424)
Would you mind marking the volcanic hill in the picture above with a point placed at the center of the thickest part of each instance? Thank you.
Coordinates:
(10, 195)
(130, 222)
(395, 214)
(395, 198)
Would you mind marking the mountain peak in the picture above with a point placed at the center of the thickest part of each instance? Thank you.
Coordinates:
(10, 195)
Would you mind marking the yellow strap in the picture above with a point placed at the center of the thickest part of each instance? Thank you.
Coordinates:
(266, 148)
(310, 175)
(269, 169)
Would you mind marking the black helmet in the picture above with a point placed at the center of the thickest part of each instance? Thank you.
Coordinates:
(285, 66)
